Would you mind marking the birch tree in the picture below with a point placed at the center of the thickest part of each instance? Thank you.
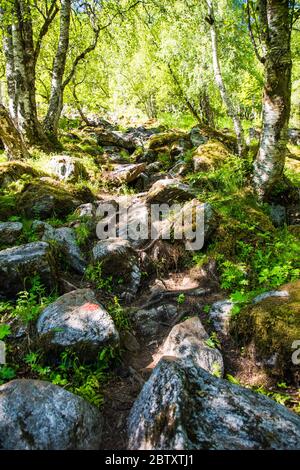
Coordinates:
(276, 19)
(56, 96)
(219, 79)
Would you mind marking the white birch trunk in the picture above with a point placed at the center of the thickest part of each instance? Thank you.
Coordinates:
(56, 96)
(219, 80)
(270, 160)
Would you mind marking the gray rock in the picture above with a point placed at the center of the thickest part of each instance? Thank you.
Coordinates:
(117, 139)
(126, 173)
(67, 168)
(66, 240)
(24, 261)
(135, 227)
(148, 321)
(186, 408)
(87, 210)
(272, 293)
(278, 215)
(187, 341)
(118, 258)
(168, 191)
(154, 167)
(37, 415)
(10, 232)
(77, 320)
(220, 315)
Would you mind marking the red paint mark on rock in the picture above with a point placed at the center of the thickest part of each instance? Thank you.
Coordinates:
(90, 307)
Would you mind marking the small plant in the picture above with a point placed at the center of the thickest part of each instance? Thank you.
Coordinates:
(233, 275)
(232, 379)
(216, 370)
(5, 331)
(118, 315)
(82, 234)
(6, 307)
(206, 308)
(31, 302)
(213, 341)
(281, 398)
(55, 222)
(181, 299)
(94, 273)
(6, 373)
(32, 360)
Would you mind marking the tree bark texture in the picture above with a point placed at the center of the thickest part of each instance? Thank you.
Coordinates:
(270, 160)
(11, 137)
(57, 89)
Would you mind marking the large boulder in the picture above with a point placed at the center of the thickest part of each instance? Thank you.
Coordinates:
(42, 199)
(37, 415)
(21, 263)
(272, 325)
(188, 341)
(13, 171)
(169, 191)
(67, 168)
(76, 320)
(10, 232)
(209, 156)
(186, 408)
(119, 259)
(65, 238)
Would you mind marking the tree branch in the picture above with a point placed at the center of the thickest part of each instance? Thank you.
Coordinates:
(97, 29)
(259, 57)
(51, 13)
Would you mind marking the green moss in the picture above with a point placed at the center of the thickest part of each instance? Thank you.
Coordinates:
(210, 155)
(272, 325)
(48, 198)
(7, 206)
(13, 171)
(166, 138)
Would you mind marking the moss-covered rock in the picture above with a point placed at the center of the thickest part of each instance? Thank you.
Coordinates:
(242, 219)
(46, 198)
(210, 156)
(164, 139)
(272, 325)
(13, 171)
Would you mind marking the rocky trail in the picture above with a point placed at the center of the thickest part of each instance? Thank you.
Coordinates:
(185, 372)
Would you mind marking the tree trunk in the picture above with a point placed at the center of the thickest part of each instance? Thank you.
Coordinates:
(10, 73)
(24, 61)
(219, 79)
(270, 160)
(205, 107)
(56, 96)
(11, 137)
